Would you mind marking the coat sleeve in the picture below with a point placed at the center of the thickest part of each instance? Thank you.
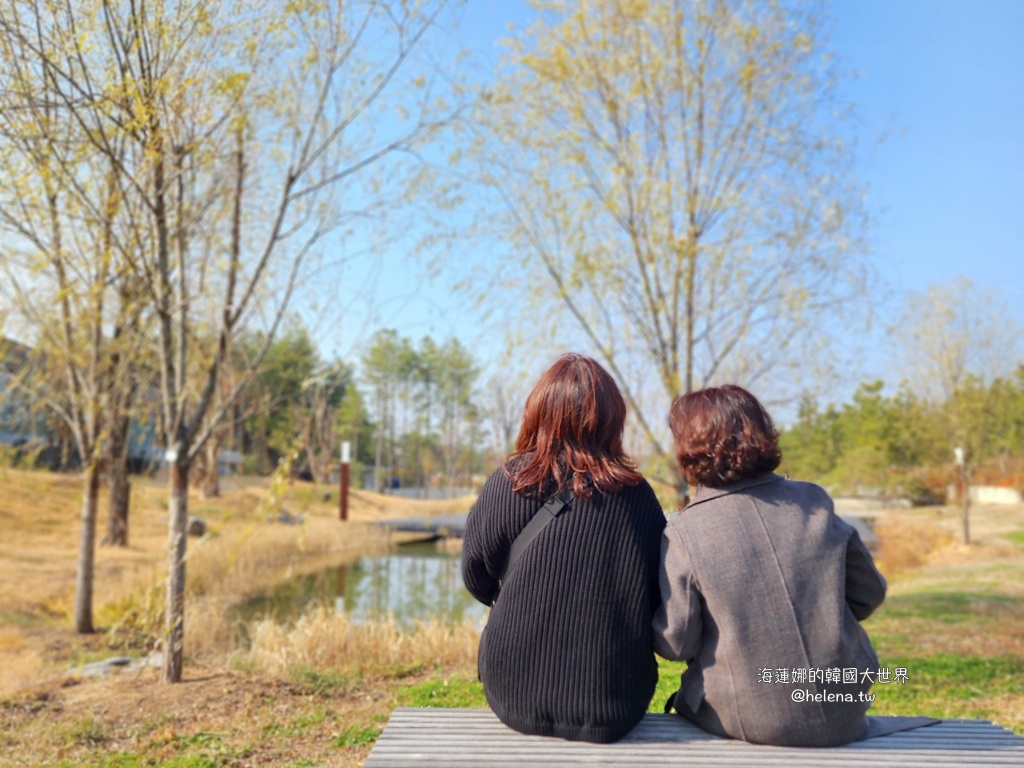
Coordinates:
(865, 586)
(677, 621)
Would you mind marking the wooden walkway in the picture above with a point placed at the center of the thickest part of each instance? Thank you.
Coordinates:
(436, 527)
(475, 737)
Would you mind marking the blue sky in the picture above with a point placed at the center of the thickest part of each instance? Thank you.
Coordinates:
(948, 182)
(941, 83)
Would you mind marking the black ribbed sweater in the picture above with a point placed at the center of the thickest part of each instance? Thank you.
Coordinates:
(567, 650)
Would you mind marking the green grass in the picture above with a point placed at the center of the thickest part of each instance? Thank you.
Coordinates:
(454, 691)
(949, 686)
(463, 691)
(669, 673)
(946, 607)
(356, 736)
(1017, 537)
(200, 740)
(87, 732)
(323, 682)
(299, 726)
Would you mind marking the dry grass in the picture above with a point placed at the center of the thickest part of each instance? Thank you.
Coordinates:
(215, 717)
(451, 546)
(246, 551)
(914, 539)
(20, 663)
(338, 678)
(907, 543)
(327, 640)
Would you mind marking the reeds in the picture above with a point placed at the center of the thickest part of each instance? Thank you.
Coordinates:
(906, 544)
(325, 640)
(223, 570)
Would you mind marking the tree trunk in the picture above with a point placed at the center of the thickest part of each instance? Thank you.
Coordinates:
(966, 499)
(87, 551)
(120, 486)
(210, 487)
(449, 470)
(379, 455)
(177, 541)
(691, 287)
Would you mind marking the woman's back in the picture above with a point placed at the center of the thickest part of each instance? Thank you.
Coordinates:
(567, 650)
(567, 647)
(762, 586)
(771, 561)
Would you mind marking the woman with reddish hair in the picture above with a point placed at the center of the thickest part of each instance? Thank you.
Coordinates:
(567, 650)
(762, 587)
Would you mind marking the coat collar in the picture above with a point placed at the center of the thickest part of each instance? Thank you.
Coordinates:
(707, 494)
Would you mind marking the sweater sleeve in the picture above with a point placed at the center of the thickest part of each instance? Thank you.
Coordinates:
(677, 622)
(484, 548)
(865, 586)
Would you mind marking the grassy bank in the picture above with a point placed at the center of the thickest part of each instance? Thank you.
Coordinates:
(319, 692)
(281, 703)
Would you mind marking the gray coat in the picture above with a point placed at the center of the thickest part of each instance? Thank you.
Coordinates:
(762, 575)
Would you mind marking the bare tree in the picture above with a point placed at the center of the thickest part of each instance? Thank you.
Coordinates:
(323, 393)
(63, 209)
(456, 377)
(189, 88)
(504, 411)
(952, 342)
(675, 190)
(951, 331)
(380, 370)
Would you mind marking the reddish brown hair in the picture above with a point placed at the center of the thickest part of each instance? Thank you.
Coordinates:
(572, 432)
(723, 434)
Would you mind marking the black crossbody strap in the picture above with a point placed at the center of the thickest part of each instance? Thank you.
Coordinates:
(551, 509)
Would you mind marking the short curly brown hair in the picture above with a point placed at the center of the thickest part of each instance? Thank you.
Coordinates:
(723, 434)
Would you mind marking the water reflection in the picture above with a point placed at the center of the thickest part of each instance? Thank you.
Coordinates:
(414, 583)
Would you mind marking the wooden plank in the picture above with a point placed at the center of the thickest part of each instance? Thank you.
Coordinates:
(663, 726)
(943, 751)
(884, 742)
(461, 737)
(660, 727)
(404, 759)
(946, 746)
(389, 758)
(637, 761)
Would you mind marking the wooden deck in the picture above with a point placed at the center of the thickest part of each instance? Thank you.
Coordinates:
(475, 737)
(436, 527)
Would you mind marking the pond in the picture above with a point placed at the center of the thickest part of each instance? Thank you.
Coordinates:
(413, 583)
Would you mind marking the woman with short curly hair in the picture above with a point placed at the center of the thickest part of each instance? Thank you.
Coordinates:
(762, 587)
